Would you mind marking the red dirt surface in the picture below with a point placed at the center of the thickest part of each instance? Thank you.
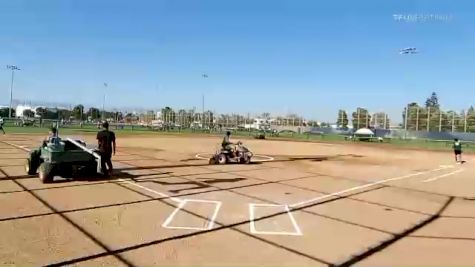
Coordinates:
(354, 205)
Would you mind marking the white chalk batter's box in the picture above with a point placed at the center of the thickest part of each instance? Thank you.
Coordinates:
(181, 219)
(282, 224)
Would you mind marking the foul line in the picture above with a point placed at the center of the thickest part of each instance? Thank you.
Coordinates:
(442, 176)
(363, 186)
(17, 146)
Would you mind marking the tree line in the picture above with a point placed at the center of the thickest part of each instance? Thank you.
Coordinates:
(430, 117)
(76, 113)
(415, 117)
(361, 118)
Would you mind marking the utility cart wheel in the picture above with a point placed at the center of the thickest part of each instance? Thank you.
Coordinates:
(46, 171)
(32, 163)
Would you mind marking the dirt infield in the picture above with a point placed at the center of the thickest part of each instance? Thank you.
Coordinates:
(312, 205)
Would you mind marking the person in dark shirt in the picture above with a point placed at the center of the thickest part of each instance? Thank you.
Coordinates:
(1, 125)
(458, 151)
(53, 133)
(227, 144)
(106, 145)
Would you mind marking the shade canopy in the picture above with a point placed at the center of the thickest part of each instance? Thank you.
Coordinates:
(364, 131)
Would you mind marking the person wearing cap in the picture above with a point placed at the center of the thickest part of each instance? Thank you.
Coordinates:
(51, 138)
(106, 146)
(53, 133)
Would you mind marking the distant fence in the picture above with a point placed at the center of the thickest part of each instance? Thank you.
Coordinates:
(37, 123)
(396, 134)
(402, 134)
(432, 135)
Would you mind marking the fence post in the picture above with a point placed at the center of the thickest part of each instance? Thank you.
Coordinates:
(358, 113)
(375, 120)
(367, 123)
(428, 119)
(465, 122)
(453, 121)
(405, 119)
(417, 119)
(440, 120)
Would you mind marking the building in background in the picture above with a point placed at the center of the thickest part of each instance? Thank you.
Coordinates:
(20, 109)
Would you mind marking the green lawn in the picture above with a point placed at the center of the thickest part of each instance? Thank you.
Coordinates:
(408, 143)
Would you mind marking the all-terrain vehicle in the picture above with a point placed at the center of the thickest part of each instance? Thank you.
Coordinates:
(65, 158)
(240, 154)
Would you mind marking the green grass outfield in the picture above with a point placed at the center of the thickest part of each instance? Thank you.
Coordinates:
(330, 138)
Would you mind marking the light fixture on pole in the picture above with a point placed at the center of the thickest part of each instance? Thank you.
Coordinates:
(13, 68)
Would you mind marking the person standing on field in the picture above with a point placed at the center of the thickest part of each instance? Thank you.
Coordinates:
(1, 125)
(457, 150)
(106, 145)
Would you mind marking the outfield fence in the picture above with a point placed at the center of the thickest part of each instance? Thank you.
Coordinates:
(418, 123)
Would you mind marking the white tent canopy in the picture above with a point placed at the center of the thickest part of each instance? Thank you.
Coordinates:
(364, 131)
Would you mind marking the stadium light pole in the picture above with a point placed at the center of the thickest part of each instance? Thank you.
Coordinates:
(205, 76)
(104, 102)
(428, 119)
(465, 122)
(13, 68)
(405, 122)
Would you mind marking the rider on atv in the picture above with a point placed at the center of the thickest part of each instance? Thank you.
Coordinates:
(52, 137)
(227, 144)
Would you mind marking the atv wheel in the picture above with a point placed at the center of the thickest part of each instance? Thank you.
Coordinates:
(247, 160)
(46, 171)
(212, 161)
(222, 159)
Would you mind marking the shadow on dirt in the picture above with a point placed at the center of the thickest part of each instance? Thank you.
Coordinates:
(318, 158)
(122, 172)
(200, 183)
(182, 166)
(315, 158)
(205, 183)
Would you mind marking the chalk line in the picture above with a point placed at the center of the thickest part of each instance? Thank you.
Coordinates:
(363, 186)
(442, 176)
(151, 190)
(252, 217)
(209, 224)
(17, 146)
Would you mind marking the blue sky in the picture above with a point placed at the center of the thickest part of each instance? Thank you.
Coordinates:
(309, 57)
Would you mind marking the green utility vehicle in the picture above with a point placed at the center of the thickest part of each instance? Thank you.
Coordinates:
(65, 158)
